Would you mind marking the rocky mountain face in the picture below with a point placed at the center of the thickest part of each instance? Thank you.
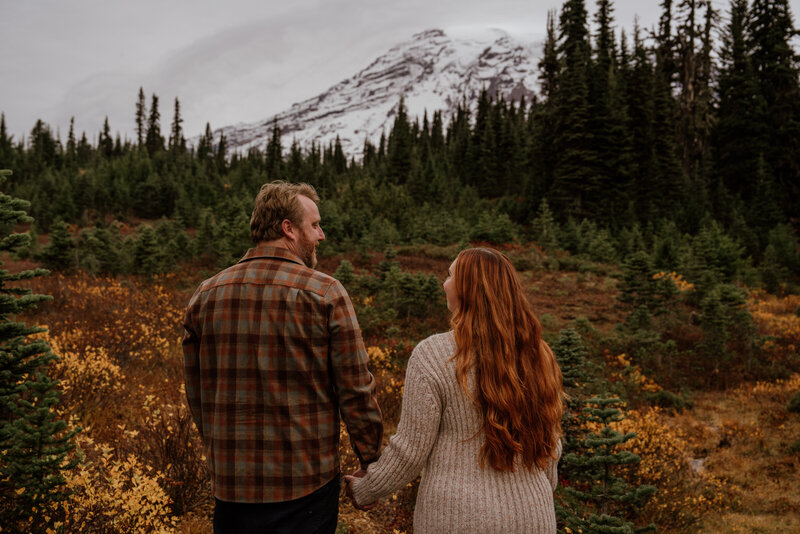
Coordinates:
(432, 71)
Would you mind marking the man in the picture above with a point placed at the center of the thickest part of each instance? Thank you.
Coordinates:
(273, 356)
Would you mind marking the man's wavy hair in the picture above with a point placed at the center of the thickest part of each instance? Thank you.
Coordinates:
(276, 202)
(518, 384)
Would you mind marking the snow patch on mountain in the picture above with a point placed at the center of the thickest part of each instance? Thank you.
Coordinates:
(432, 71)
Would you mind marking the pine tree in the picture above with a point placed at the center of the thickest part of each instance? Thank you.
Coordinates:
(274, 160)
(609, 124)
(571, 355)
(638, 84)
(205, 146)
(5, 142)
(544, 227)
(84, 151)
(739, 135)
(483, 150)
(399, 147)
(777, 69)
(105, 145)
(154, 141)
(146, 251)
(339, 159)
(141, 115)
(596, 464)
(575, 176)
(35, 447)
(220, 156)
(695, 105)
(295, 164)
(542, 121)
(59, 254)
(667, 184)
(71, 152)
(177, 143)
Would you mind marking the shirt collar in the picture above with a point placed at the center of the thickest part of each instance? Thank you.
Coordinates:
(268, 251)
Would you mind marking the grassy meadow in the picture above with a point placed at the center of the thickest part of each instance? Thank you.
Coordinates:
(725, 460)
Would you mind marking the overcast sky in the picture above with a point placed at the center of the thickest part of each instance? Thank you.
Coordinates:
(227, 62)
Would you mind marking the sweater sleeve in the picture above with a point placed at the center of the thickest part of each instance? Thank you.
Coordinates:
(552, 469)
(407, 451)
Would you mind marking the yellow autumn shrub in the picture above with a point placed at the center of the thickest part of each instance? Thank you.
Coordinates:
(88, 376)
(683, 495)
(777, 318)
(115, 495)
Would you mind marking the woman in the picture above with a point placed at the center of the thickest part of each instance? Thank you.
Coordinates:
(481, 413)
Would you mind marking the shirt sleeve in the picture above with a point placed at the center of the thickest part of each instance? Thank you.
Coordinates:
(355, 385)
(191, 363)
(408, 450)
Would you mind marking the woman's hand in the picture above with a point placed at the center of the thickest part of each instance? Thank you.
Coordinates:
(348, 490)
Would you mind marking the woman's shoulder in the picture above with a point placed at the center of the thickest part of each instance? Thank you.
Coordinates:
(438, 345)
(433, 353)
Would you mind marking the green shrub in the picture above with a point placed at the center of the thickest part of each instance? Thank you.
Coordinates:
(794, 403)
(668, 400)
(494, 228)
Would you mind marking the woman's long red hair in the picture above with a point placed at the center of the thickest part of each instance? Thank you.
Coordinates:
(518, 384)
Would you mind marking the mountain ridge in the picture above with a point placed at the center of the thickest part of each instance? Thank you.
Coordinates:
(431, 72)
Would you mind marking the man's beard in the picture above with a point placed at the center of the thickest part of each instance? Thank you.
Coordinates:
(308, 253)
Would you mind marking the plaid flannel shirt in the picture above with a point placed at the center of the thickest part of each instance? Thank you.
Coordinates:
(273, 355)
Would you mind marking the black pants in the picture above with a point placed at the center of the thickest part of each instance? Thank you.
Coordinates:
(316, 513)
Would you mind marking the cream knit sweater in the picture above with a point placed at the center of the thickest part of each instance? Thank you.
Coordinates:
(440, 432)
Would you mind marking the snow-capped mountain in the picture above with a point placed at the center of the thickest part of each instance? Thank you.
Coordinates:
(432, 71)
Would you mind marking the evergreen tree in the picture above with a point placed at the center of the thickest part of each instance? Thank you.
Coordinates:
(35, 447)
(274, 160)
(205, 146)
(339, 159)
(575, 182)
(141, 115)
(221, 154)
(153, 140)
(544, 227)
(6, 145)
(739, 136)
(542, 120)
(59, 254)
(638, 82)
(695, 118)
(105, 145)
(483, 150)
(84, 151)
(71, 152)
(399, 147)
(777, 69)
(44, 147)
(177, 143)
(295, 163)
(146, 252)
(609, 497)
(609, 124)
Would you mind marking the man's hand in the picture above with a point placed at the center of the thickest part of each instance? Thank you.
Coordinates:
(348, 490)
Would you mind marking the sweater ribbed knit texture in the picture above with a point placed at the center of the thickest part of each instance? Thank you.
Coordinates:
(440, 431)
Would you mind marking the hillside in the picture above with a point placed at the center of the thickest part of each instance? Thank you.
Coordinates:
(722, 463)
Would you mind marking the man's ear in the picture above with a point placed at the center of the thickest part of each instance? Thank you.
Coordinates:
(288, 230)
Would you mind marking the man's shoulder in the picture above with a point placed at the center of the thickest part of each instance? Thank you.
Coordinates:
(273, 272)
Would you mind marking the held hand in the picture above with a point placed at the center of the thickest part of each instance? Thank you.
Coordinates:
(348, 479)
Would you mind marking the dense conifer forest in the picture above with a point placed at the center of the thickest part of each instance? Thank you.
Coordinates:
(638, 138)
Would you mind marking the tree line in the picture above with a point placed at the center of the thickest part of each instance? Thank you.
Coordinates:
(694, 121)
